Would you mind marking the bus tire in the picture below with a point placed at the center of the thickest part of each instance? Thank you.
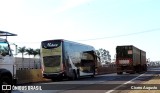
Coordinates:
(5, 80)
(94, 73)
(74, 77)
(78, 74)
(119, 73)
(92, 76)
(53, 79)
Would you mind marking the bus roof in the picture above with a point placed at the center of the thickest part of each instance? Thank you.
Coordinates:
(68, 41)
(4, 33)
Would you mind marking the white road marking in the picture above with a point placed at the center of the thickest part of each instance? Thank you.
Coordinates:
(124, 83)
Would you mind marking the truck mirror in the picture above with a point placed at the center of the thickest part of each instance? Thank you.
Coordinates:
(13, 49)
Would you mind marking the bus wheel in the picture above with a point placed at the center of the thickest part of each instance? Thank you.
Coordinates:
(60, 78)
(119, 73)
(74, 76)
(78, 74)
(54, 79)
(93, 74)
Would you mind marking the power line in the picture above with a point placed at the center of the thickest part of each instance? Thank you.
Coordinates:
(116, 36)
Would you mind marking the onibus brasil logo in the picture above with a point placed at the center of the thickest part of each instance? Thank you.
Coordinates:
(9, 87)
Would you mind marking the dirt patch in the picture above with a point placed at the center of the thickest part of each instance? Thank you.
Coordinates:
(32, 75)
(106, 70)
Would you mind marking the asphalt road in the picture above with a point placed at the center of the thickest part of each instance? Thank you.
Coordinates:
(108, 83)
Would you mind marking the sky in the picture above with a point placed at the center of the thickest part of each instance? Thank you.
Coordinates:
(100, 23)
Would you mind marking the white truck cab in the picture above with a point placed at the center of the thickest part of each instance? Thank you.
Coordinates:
(7, 63)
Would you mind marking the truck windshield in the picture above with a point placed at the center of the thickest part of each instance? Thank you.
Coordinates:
(4, 49)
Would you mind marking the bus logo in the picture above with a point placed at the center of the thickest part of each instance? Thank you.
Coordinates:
(52, 45)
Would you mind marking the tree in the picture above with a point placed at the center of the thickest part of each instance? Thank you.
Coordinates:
(104, 56)
(35, 52)
(22, 50)
(29, 52)
(114, 59)
(38, 52)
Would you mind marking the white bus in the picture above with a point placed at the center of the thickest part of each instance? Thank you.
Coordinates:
(62, 58)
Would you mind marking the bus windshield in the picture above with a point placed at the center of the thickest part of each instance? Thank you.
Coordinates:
(51, 52)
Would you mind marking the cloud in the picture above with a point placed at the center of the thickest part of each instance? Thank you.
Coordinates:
(70, 4)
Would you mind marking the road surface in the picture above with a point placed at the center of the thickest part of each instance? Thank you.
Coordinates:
(108, 83)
